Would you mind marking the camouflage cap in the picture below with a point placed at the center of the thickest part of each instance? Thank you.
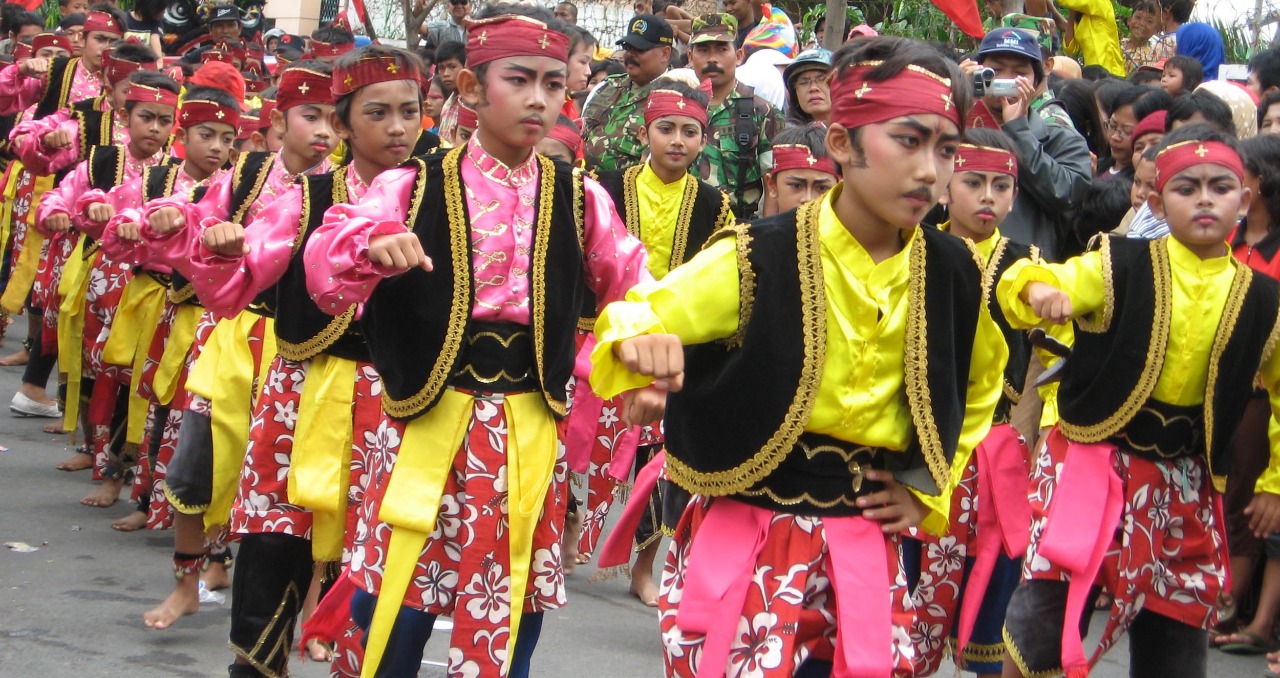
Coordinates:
(714, 28)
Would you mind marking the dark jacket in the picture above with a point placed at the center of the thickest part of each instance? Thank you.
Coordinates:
(1054, 169)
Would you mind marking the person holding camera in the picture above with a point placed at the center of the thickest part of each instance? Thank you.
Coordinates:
(1054, 164)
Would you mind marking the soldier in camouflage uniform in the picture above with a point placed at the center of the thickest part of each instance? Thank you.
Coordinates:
(735, 166)
(614, 114)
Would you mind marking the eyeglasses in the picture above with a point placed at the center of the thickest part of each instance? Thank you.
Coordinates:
(1124, 132)
(806, 81)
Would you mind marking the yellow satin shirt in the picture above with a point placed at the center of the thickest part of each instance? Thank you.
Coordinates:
(660, 204)
(861, 397)
(1200, 289)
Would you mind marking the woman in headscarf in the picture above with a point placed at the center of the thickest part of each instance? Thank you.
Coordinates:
(1203, 43)
(1244, 113)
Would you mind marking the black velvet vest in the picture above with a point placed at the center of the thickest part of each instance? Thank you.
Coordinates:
(57, 86)
(1118, 356)
(702, 210)
(249, 176)
(303, 331)
(106, 166)
(765, 378)
(416, 322)
(1015, 371)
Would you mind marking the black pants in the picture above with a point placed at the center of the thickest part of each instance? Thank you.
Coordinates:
(41, 363)
(1158, 646)
(272, 575)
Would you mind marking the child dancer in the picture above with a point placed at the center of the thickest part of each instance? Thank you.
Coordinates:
(962, 580)
(673, 213)
(474, 358)
(852, 353)
(207, 126)
(804, 172)
(92, 283)
(304, 476)
(1121, 493)
(203, 474)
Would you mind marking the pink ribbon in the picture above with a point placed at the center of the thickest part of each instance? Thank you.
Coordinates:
(1087, 503)
(864, 614)
(584, 420)
(617, 548)
(719, 569)
(1004, 517)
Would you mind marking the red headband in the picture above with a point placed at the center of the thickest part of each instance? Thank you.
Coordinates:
(264, 114)
(971, 158)
(118, 70)
(664, 102)
(800, 157)
(1185, 154)
(23, 51)
(371, 71)
(197, 111)
(467, 117)
(300, 86)
(569, 136)
(151, 95)
(858, 102)
(45, 40)
(101, 22)
(322, 50)
(226, 57)
(248, 125)
(511, 36)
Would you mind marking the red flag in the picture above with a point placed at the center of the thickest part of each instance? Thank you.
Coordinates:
(965, 15)
(31, 5)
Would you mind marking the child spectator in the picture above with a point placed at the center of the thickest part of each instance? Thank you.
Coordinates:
(1181, 75)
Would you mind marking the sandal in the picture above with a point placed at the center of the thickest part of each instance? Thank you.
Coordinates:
(1254, 645)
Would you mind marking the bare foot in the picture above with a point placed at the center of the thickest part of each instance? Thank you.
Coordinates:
(569, 541)
(216, 577)
(645, 589)
(583, 559)
(76, 462)
(318, 651)
(15, 359)
(182, 602)
(106, 494)
(55, 429)
(131, 523)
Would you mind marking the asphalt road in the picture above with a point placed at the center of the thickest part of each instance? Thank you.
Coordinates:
(73, 608)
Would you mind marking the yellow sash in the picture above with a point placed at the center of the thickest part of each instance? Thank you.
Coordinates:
(24, 273)
(320, 466)
(137, 317)
(182, 334)
(72, 288)
(8, 192)
(412, 501)
(225, 374)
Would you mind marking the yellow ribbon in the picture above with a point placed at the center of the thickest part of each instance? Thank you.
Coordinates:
(72, 288)
(8, 195)
(225, 374)
(320, 465)
(412, 500)
(24, 273)
(137, 317)
(182, 334)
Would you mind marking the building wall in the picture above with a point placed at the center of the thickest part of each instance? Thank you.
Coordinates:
(298, 17)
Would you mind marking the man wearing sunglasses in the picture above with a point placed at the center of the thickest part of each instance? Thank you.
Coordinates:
(454, 29)
(614, 112)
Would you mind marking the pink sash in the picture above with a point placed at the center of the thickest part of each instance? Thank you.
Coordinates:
(1004, 517)
(722, 560)
(584, 419)
(617, 548)
(1086, 507)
